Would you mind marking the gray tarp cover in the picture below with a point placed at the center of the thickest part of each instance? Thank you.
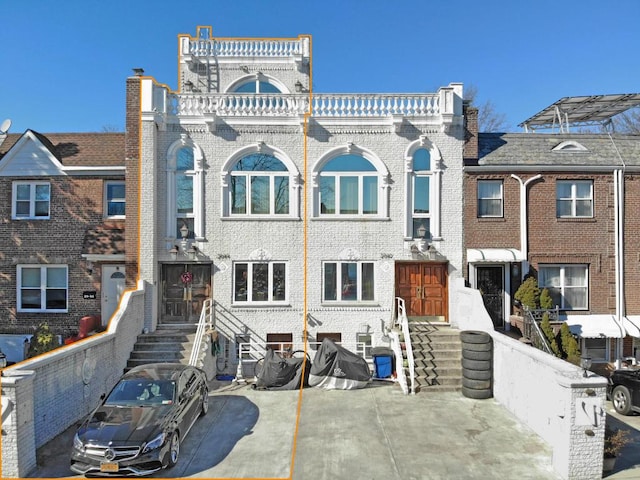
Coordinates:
(281, 373)
(336, 368)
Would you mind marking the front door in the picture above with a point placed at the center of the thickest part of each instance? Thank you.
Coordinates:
(113, 280)
(423, 286)
(185, 287)
(490, 282)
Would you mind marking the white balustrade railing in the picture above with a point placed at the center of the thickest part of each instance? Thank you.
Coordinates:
(375, 105)
(324, 105)
(245, 47)
(403, 322)
(206, 322)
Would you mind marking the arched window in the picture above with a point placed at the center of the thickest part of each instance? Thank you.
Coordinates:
(259, 186)
(185, 189)
(421, 205)
(260, 180)
(256, 86)
(422, 197)
(350, 182)
(185, 172)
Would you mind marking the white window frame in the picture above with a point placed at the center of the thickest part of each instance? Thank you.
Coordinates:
(339, 284)
(562, 287)
(197, 215)
(32, 201)
(380, 172)
(481, 199)
(574, 198)
(360, 176)
(249, 287)
(247, 175)
(295, 183)
(435, 200)
(42, 287)
(122, 200)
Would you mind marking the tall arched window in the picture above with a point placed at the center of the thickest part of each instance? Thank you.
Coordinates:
(350, 182)
(422, 196)
(185, 173)
(184, 189)
(421, 211)
(259, 180)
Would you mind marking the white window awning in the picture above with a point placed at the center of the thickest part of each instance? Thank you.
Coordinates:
(475, 255)
(595, 326)
(631, 324)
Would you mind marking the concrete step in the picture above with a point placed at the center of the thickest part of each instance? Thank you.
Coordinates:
(168, 355)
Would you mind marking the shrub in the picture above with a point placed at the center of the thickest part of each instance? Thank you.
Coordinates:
(546, 301)
(547, 329)
(614, 441)
(43, 341)
(528, 294)
(570, 347)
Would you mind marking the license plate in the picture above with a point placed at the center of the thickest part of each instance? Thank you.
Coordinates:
(109, 467)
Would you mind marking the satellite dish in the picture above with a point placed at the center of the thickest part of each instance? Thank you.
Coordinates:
(6, 125)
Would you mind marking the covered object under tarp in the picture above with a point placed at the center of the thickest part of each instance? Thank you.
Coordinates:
(336, 368)
(281, 373)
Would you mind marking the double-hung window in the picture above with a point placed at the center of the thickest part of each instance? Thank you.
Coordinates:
(31, 200)
(348, 185)
(568, 285)
(348, 281)
(42, 288)
(259, 282)
(490, 198)
(114, 200)
(259, 185)
(574, 198)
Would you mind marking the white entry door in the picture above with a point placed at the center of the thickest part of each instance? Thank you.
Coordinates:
(113, 281)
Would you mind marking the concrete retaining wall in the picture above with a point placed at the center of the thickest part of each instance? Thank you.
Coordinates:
(44, 396)
(547, 394)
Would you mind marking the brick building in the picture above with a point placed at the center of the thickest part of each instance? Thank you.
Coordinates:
(561, 206)
(61, 230)
(284, 205)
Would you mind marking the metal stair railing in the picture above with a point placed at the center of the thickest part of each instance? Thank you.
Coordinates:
(532, 330)
(403, 322)
(206, 322)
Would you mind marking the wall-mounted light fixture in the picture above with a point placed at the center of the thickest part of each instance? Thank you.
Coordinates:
(189, 85)
(3, 360)
(174, 252)
(186, 247)
(298, 86)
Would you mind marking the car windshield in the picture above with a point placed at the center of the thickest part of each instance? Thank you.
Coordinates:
(142, 392)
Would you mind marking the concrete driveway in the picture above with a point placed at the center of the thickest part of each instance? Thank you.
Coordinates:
(373, 433)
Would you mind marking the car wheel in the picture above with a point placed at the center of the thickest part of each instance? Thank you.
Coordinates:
(621, 400)
(174, 449)
(205, 402)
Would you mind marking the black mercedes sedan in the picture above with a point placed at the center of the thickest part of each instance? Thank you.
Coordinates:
(624, 390)
(137, 429)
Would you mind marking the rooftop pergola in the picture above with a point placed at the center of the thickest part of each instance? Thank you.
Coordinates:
(581, 112)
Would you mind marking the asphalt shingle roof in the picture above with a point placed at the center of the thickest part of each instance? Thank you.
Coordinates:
(528, 149)
(78, 149)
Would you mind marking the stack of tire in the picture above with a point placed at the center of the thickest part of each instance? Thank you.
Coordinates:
(477, 364)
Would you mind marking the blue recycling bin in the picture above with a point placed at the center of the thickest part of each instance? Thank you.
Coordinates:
(382, 362)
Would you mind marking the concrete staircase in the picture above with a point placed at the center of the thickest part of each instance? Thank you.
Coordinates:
(437, 351)
(169, 343)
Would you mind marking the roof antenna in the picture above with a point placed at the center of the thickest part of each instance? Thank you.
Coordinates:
(4, 128)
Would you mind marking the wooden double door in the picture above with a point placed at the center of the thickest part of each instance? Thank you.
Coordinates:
(423, 286)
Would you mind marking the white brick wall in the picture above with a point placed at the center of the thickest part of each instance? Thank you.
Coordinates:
(229, 240)
(53, 391)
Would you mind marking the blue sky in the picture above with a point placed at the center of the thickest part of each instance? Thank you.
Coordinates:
(65, 63)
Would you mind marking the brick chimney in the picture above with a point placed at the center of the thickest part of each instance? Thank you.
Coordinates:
(132, 163)
(470, 113)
